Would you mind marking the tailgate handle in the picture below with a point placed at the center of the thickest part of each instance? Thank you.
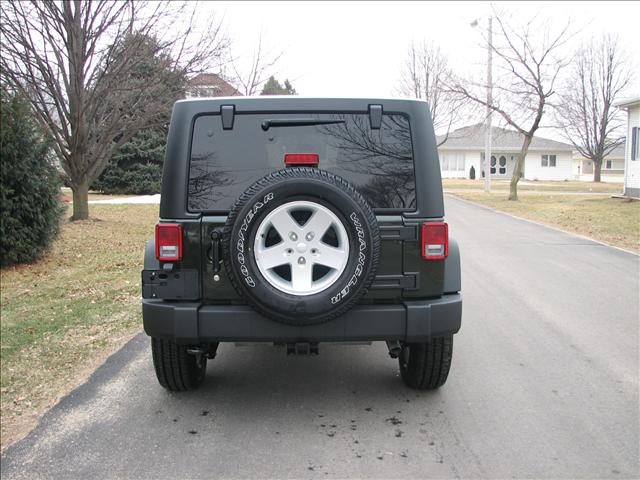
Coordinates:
(392, 232)
(215, 256)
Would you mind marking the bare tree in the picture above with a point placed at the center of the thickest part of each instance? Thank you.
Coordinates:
(528, 61)
(251, 78)
(599, 74)
(83, 80)
(425, 75)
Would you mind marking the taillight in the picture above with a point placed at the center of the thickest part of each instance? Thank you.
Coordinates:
(169, 242)
(301, 159)
(435, 240)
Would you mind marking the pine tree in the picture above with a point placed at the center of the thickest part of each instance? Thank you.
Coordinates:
(30, 206)
(274, 87)
(137, 167)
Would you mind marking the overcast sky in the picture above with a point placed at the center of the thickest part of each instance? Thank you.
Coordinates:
(357, 48)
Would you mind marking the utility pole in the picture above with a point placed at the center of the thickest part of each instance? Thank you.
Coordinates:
(487, 137)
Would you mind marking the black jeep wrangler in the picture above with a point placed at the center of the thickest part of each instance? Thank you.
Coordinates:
(297, 221)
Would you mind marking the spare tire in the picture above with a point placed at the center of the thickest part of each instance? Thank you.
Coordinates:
(301, 246)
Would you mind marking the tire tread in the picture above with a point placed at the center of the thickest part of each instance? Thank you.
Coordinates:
(177, 370)
(428, 365)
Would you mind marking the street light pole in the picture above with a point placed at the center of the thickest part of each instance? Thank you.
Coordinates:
(487, 137)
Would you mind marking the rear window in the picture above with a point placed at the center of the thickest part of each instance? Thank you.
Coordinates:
(224, 163)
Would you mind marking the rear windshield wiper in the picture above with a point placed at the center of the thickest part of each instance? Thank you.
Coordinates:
(296, 122)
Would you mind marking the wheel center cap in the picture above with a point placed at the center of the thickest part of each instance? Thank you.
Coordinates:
(301, 247)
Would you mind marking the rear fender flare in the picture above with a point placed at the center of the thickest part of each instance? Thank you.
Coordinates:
(150, 260)
(452, 274)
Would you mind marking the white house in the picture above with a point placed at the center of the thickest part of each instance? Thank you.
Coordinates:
(463, 151)
(632, 150)
(612, 170)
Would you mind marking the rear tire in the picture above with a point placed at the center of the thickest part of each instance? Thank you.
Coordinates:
(177, 370)
(425, 366)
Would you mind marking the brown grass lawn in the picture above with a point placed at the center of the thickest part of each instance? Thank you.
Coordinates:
(64, 314)
(537, 186)
(610, 220)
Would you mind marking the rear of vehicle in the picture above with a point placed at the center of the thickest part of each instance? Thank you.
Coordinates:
(299, 221)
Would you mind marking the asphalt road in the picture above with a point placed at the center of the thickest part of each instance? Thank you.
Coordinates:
(544, 384)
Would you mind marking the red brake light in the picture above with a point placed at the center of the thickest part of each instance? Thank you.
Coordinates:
(435, 240)
(301, 159)
(169, 242)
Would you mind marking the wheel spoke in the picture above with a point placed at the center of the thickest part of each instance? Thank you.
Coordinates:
(319, 223)
(330, 257)
(284, 224)
(272, 257)
(301, 277)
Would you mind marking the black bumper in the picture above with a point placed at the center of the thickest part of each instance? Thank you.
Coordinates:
(194, 323)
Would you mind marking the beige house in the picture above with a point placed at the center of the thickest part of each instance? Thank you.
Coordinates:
(612, 166)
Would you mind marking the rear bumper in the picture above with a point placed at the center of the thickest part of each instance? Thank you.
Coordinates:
(194, 323)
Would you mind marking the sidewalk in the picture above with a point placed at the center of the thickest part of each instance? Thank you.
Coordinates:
(141, 200)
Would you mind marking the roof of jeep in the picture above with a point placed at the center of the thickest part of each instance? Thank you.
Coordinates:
(295, 102)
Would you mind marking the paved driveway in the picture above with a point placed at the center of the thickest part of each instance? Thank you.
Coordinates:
(544, 384)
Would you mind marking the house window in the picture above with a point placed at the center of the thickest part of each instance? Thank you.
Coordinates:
(493, 165)
(635, 142)
(503, 165)
(548, 161)
(452, 162)
(608, 165)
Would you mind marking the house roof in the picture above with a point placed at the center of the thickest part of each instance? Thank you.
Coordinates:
(619, 150)
(213, 81)
(616, 153)
(630, 102)
(472, 138)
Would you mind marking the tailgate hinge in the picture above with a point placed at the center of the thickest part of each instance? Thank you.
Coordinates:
(214, 254)
(227, 112)
(375, 116)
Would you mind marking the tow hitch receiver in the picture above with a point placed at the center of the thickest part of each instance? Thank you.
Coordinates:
(200, 352)
(302, 348)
